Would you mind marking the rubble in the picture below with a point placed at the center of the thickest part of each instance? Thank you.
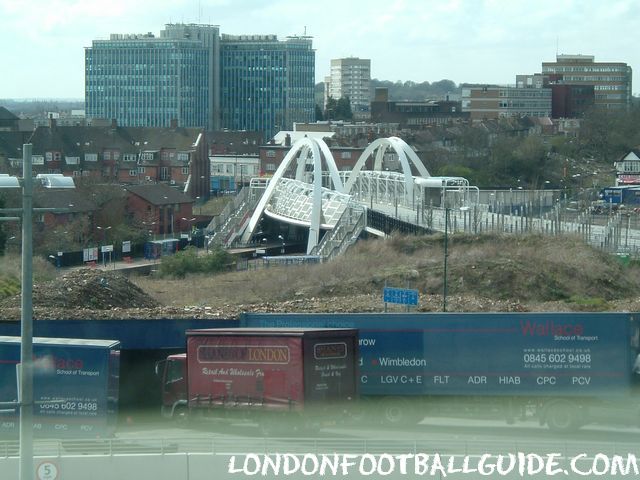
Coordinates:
(116, 305)
(86, 289)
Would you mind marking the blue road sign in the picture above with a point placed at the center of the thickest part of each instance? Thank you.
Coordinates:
(403, 296)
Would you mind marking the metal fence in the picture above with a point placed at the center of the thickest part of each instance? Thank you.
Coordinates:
(297, 445)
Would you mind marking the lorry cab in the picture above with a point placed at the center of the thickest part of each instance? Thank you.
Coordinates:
(172, 373)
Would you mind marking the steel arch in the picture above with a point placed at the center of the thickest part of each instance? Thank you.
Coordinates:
(302, 151)
(405, 154)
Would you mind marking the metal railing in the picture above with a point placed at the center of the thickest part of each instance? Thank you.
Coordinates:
(297, 445)
(347, 230)
(224, 228)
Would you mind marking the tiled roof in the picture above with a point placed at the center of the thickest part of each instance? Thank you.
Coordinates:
(6, 114)
(72, 200)
(11, 144)
(235, 142)
(80, 140)
(159, 194)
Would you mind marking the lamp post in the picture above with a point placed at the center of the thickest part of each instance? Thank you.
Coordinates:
(190, 221)
(25, 380)
(446, 255)
(283, 244)
(104, 235)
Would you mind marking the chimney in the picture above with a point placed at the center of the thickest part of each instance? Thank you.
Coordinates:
(114, 123)
(52, 122)
(174, 123)
(287, 140)
(381, 94)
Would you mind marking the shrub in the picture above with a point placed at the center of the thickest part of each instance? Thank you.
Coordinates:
(188, 261)
(9, 286)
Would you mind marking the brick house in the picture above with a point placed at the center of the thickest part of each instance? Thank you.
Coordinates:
(159, 208)
(628, 168)
(271, 157)
(128, 155)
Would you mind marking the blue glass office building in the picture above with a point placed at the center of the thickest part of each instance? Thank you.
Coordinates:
(266, 84)
(193, 74)
(145, 81)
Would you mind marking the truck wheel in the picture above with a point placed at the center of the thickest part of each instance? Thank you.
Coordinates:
(397, 412)
(562, 417)
(181, 416)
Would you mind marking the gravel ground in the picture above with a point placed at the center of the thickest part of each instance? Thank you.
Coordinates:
(90, 294)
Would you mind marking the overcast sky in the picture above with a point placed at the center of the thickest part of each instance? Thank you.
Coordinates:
(481, 41)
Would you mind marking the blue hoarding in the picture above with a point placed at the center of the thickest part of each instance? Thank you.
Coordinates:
(484, 354)
(75, 387)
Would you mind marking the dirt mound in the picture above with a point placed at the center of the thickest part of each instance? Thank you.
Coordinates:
(485, 273)
(87, 289)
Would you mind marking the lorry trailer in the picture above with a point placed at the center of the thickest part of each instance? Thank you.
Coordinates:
(264, 374)
(75, 387)
(565, 369)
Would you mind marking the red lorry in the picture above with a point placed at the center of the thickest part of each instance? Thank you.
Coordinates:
(265, 375)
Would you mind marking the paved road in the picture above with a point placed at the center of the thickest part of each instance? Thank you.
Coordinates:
(445, 435)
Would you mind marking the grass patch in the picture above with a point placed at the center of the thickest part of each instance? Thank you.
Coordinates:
(520, 268)
(589, 303)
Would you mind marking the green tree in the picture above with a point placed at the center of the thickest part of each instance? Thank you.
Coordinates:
(343, 109)
(338, 109)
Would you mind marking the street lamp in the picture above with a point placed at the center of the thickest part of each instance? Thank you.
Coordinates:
(283, 244)
(446, 255)
(148, 226)
(190, 220)
(25, 390)
(103, 246)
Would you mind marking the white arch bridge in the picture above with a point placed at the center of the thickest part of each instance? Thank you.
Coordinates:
(309, 190)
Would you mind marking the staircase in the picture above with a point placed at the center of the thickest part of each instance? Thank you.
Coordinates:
(347, 230)
(225, 228)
